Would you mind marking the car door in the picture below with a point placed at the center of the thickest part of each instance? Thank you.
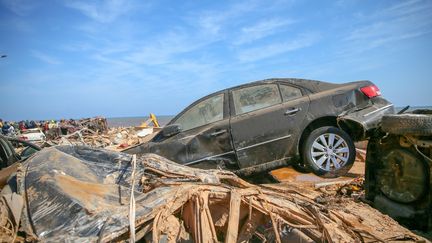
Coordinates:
(264, 122)
(205, 133)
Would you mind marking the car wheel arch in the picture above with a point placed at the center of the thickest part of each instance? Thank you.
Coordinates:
(353, 128)
(314, 124)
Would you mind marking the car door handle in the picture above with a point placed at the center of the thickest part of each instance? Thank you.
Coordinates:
(292, 111)
(217, 133)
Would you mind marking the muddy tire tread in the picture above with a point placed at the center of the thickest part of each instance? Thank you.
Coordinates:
(407, 124)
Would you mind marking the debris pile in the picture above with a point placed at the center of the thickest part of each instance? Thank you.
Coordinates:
(341, 191)
(116, 138)
(94, 132)
(8, 230)
(54, 130)
(123, 137)
(111, 196)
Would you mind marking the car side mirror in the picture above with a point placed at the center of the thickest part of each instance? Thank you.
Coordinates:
(171, 130)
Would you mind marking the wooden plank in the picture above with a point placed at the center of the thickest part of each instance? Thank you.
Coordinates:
(234, 214)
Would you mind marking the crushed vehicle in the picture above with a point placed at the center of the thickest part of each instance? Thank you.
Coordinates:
(263, 125)
(8, 153)
(398, 175)
(32, 135)
(81, 194)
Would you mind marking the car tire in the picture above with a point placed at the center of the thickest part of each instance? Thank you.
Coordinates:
(328, 152)
(407, 124)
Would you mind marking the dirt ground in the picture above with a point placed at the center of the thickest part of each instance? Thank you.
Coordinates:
(289, 175)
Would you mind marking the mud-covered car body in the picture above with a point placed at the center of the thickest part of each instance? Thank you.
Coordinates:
(8, 155)
(398, 178)
(249, 138)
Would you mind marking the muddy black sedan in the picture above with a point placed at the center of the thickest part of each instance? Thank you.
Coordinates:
(263, 125)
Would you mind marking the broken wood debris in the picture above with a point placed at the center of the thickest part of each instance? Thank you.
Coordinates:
(176, 203)
(115, 138)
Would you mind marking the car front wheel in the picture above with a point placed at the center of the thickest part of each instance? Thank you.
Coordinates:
(329, 152)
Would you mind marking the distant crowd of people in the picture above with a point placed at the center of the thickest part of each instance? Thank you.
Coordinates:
(11, 128)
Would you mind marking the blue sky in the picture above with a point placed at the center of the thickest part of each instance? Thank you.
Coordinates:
(72, 59)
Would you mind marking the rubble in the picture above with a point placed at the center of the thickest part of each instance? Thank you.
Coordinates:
(95, 133)
(76, 193)
(71, 192)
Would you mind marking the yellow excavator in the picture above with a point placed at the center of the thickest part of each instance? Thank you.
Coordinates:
(152, 118)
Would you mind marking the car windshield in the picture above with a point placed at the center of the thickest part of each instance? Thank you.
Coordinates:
(205, 112)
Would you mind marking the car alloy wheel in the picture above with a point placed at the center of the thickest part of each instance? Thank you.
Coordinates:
(330, 152)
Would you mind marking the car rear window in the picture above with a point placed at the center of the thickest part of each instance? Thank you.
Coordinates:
(203, 113)
(290, 92)
(255, 97)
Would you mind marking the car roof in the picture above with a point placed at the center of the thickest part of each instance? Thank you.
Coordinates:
(310, 84)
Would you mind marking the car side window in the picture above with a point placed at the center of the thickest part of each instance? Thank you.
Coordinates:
(203, 113)
(255, 97)
(290, 92)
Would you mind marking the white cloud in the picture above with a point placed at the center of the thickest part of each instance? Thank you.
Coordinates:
(102, 11)
(270, 50)
(45, 58)
(409, 19)
(213, 22)
(163, 48)
(406, 7)
(262, 29)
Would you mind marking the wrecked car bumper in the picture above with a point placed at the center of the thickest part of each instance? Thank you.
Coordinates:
(366, 120)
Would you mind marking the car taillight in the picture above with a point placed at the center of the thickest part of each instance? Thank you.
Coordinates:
(371, 91)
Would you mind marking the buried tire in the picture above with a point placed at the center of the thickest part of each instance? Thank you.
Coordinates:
(328, 152)
(407, 124)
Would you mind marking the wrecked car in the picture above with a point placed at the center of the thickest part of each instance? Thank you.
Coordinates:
(8, 153)
(398, 174)
(263, 125)
(32, 135)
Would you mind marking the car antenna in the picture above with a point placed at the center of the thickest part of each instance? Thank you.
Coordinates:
(404, 109)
